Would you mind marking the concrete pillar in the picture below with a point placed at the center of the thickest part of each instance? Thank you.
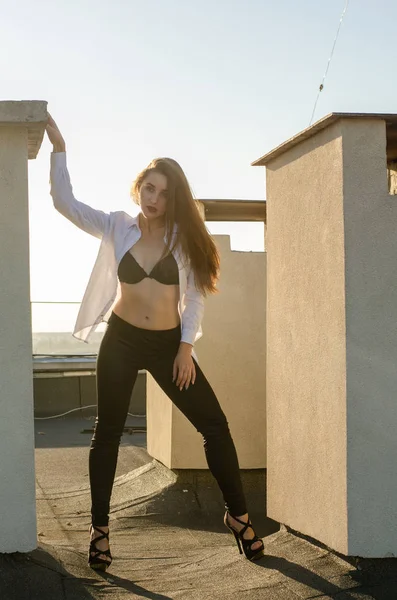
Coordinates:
(22, 126)
(331, 335)
(231, 354)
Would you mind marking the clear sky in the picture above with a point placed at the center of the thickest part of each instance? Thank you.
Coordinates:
(214, 84)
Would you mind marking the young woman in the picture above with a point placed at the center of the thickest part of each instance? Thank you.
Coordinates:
(164, 262)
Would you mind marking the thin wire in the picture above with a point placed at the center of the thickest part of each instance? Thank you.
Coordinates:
(80, 408)
(329, 61)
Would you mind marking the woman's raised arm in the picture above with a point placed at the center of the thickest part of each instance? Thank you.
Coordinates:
(85, 217)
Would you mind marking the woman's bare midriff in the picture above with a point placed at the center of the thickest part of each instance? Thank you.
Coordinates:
(149, 304)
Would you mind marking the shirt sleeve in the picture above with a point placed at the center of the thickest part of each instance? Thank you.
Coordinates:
(193, 312)
(88, 219)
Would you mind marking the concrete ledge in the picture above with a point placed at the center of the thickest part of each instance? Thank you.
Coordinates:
(30, 113)
(58, 393)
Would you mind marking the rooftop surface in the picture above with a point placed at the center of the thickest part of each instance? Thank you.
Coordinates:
(167, 538)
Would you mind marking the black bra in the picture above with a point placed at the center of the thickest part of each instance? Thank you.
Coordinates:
(164, 271)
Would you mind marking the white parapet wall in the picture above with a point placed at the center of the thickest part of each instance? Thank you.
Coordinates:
(22, 125)
(232, 355)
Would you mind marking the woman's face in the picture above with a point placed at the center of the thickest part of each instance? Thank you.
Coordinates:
(153, 195)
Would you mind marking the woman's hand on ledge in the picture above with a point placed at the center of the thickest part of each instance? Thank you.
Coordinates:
(55, 136)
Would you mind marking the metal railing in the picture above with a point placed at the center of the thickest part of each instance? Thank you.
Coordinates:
(52, 327)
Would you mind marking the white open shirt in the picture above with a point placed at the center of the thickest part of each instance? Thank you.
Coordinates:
(118, 232)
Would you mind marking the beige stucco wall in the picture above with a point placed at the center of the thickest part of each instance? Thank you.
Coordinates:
(159, 417)
(306, 351)
(332, 330)
(231, 353)
(17, 489)
(370, 221)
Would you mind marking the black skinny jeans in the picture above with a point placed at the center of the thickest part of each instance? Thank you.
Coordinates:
(124, 350)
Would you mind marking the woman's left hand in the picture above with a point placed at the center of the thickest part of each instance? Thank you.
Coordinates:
(184, 370)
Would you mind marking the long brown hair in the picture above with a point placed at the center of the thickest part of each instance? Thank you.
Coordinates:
(192, 235)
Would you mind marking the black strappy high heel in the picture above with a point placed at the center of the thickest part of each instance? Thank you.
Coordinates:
(241, 541)
(94, 560)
